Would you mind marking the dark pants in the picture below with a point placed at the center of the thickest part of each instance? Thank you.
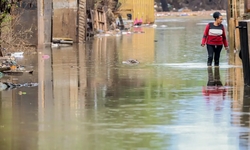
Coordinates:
(213, 53)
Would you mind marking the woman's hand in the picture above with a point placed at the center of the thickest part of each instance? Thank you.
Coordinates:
(202, 45)
(227, 48)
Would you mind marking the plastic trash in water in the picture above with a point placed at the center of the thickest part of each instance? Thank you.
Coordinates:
(22, 93)
(54, 45)
(1, 74)
(154, 25)
(17, 54)
(45, 56)
(163, 26)
(2, 86)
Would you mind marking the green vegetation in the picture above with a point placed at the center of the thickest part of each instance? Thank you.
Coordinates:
(5, 7)
(13, 34)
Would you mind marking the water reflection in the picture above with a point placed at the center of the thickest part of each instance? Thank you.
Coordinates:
(214, 84)
(88, 99)
(245, 120)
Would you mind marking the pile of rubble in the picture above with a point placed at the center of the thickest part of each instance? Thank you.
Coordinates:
(9, 65)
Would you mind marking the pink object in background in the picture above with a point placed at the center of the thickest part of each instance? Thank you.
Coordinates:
(140, 21)
(45, 56)
(136, 21)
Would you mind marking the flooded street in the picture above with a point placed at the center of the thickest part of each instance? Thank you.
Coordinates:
(87, 99)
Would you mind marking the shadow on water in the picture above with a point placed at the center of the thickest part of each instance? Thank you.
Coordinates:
(87, 99)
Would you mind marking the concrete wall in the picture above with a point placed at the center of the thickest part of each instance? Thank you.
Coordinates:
(65, 19)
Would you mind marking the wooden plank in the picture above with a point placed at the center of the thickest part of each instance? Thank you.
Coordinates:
(61, 38)
(105, 28)
(96, 19)
(100, 22)
(92, 18)
(231, 41)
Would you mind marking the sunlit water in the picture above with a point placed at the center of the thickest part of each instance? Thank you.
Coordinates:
(87, 99)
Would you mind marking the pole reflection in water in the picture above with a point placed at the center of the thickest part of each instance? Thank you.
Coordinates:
(59, 95)
(45, 95)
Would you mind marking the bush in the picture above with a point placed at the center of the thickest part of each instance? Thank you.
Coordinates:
(10, 38)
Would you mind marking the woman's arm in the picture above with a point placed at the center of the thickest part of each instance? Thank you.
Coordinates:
(204, 39)
(224, 38)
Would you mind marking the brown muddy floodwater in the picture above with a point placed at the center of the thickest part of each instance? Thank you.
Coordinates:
(88, 100)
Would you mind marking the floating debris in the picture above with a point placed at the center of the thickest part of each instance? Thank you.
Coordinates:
(10, 86)
(22, 93)
(154, 25)
(17, 54)
(163, 26)
(59, 42)
(9, 66)
(131, 61)
(45, 57)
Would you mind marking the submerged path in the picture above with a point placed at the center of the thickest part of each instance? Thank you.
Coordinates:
(88, 99)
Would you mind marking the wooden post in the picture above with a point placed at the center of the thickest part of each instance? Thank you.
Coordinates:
(82, 21)
(244, 36)
(40, 16)
(105, 28)
(234, 40)
(231, 41)
(48, 22)
(100, 22)
(44, 15)
(96, 19)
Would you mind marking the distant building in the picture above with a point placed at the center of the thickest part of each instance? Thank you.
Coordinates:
(140, 9)
(61, 18)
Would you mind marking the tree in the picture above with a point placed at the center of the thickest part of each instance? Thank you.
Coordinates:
(5, 7)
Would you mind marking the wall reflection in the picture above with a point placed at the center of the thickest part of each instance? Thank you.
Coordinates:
(235, 79)
(240, 106)
(84, 77)
(244, 136)
(88, 99)
(16, 119)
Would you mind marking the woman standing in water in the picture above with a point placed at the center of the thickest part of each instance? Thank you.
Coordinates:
(214, 38)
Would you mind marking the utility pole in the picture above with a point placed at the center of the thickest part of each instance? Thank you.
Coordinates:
(48, 22)
(44, 15)
(40, 23)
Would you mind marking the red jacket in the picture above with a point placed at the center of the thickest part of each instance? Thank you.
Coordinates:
(214, 35)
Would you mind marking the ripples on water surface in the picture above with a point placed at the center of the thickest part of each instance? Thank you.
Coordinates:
(87, 99)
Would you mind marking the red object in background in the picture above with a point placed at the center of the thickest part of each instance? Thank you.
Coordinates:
(137, 22)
